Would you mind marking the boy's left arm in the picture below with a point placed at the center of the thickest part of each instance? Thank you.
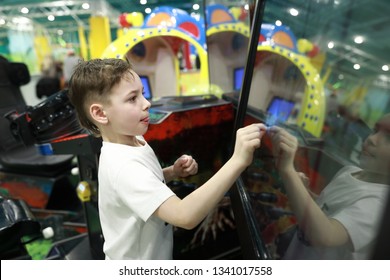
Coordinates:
(183, 167)
(319, 229)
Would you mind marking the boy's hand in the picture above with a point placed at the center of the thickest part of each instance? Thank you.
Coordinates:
(185, 166)
(248, 139)
(284, 146)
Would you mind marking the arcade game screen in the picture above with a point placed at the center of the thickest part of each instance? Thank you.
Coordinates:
(147, 89)
(280, 109)
(238, 75)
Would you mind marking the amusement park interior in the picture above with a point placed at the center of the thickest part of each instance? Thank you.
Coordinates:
(317, 68)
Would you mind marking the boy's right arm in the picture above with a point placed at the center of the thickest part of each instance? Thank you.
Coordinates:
(190, 211)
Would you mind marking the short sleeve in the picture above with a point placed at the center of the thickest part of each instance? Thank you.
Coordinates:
(140, 189)
(361, 220)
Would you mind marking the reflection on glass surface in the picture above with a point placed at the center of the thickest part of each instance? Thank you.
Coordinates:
(332, 89)
(279, 110)
(277, 79)
(341, 221)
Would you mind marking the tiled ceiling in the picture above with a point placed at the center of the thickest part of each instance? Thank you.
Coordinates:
(320, 21)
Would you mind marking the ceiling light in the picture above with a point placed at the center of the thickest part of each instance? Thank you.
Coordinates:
(60, 32)
(294, 12)
(195, 15)
(20, 20)
(2, 21)
(331, 45)
(195, 7)
(356, 66)
(85, 6)
(358, 39)
(143, 2)
(341, 76)
(385, 67)
(24, 10)
(51, 18)
(148, 10)
(278, 23)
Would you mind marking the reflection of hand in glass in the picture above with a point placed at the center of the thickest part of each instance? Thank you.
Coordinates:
(219, 219)
(306, 183)
(304, 178)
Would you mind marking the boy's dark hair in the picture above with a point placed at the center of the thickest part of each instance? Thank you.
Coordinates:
(92, 81)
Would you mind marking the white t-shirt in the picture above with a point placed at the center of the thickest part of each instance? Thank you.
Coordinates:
(131, 188)
(356, 204)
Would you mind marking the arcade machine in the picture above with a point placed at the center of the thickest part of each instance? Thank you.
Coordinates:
(227, 41)
(285, 84)
(264, 220)
(53, 129)
(162, 52)
(191, 124)
(283, 81)
(24, 172)
(34, 189)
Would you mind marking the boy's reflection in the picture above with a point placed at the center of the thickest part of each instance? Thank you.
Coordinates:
(342, 222)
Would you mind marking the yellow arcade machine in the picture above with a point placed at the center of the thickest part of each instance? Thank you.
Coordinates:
(285, 85)
(227, 42)
(154, 49)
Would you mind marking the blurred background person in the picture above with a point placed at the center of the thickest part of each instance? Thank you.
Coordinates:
(50, 81)
(70, 61)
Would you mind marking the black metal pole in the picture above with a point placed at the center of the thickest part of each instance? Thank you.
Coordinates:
(252, 243)
(250, 63)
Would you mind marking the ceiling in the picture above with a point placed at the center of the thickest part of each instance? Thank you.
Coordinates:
(320, 21)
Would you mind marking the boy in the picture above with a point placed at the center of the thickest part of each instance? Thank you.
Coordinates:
(342, 223)
(136, 208)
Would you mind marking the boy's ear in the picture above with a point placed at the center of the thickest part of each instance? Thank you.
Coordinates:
(98, 114)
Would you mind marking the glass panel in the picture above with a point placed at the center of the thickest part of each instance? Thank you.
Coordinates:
(321, 75)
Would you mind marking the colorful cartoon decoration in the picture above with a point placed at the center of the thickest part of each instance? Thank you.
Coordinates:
(177, 28)
(307, 47)
(178, 19)
(239, 13)
(128, 20)
(221, 19)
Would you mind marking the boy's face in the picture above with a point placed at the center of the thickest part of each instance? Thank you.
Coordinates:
(375, 156)
(128, 113)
